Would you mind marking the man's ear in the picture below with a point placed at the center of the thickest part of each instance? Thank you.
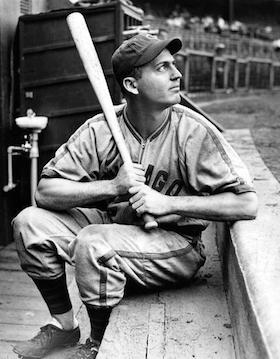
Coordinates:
(130, 84)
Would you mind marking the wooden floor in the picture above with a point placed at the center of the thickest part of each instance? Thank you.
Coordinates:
(22, 310)
(186, 323)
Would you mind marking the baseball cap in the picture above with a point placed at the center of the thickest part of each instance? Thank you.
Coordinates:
(140, 50)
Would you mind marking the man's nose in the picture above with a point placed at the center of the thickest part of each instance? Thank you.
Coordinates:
(176, 74)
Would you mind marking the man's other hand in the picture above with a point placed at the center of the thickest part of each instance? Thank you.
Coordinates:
(129, 176)
(146, 200)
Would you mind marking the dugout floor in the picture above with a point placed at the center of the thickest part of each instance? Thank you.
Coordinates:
(200, 308)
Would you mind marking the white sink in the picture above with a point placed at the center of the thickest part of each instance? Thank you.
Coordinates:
(36, 123)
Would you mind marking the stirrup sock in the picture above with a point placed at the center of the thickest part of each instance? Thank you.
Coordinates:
(99, 318)
(55, 294)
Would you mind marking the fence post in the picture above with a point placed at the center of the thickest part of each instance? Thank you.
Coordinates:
(247, 75)
(236, 74)
(271, 75)
(213, 75)
(226, 73)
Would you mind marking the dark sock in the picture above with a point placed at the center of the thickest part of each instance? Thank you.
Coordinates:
(99, 318)
(55, 294)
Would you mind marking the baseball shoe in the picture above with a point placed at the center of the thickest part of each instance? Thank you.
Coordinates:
(50, 337)
(89, 350)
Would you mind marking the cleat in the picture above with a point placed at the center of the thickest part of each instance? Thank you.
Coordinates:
(89, 350)
(49, 338)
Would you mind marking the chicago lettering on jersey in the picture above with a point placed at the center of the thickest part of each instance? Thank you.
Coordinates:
(160, 181)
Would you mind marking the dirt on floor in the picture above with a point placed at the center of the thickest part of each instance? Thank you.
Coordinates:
(258, 112)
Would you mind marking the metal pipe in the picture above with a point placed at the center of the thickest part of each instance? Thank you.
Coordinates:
(33, 179)
(12, 150)
(33, 155)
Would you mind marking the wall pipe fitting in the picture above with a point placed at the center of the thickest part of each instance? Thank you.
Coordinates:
(12, 151)
(34, 124)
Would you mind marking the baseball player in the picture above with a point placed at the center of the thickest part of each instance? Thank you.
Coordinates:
(90, 204)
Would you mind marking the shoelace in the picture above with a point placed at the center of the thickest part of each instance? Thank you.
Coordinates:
(86, 350)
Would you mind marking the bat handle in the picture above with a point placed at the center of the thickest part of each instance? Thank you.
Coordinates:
(149, 221)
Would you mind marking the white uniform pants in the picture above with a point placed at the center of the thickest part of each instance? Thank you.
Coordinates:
(105, 254)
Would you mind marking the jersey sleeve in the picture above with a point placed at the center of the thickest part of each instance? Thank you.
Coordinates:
(77, 159)
(212, 164)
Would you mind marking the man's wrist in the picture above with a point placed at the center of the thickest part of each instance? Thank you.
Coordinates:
(171, 205)
(178, 205)
(112, 187)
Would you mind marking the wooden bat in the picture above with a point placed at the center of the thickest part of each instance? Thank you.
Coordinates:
(89, 57)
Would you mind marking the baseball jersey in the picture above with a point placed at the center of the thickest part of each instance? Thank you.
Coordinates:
(186, 155)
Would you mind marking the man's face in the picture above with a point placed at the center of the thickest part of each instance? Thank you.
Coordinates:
(160, 81)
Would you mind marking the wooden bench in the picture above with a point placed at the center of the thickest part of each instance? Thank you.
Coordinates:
(190, 322)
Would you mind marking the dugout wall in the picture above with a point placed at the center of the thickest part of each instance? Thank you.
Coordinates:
(48, 77)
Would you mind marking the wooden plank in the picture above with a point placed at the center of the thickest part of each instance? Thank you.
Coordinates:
(9, 266)
(156, 335)
(9, 332)
(127, 335)
(9, 261)
(197, 326)
(63, 45)
(11, 302)
(7, 350)
(9, 255)
(197, 318)
(23, 316)
(16, 276)
(20, 289)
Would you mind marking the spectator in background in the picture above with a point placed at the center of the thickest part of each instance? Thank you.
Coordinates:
(276, 45)
(221, 25)
(179, 18)
(186, 15)
(162, 33)
(208, 24)
(238, 27)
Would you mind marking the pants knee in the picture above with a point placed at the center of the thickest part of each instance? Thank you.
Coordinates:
(25, 217)
(36, 254)
(23, 221)
(99, 277)
(91, 239)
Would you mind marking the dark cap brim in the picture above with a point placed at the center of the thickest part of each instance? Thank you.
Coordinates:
(173, 45)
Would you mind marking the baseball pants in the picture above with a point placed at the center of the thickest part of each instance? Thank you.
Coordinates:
(106, 255)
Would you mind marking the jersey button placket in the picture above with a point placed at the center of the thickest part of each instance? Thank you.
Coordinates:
(142, 149)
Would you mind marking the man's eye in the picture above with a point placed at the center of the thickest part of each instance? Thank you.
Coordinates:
(162, 68)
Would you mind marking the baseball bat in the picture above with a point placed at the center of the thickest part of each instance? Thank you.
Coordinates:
(90, 60)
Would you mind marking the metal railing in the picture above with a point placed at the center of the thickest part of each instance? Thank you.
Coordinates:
(205, 71)
(212, 63)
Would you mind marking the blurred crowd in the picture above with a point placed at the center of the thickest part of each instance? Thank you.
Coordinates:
(86, 3)
(180, 17)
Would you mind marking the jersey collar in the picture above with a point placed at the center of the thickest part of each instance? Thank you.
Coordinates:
(153, 135)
